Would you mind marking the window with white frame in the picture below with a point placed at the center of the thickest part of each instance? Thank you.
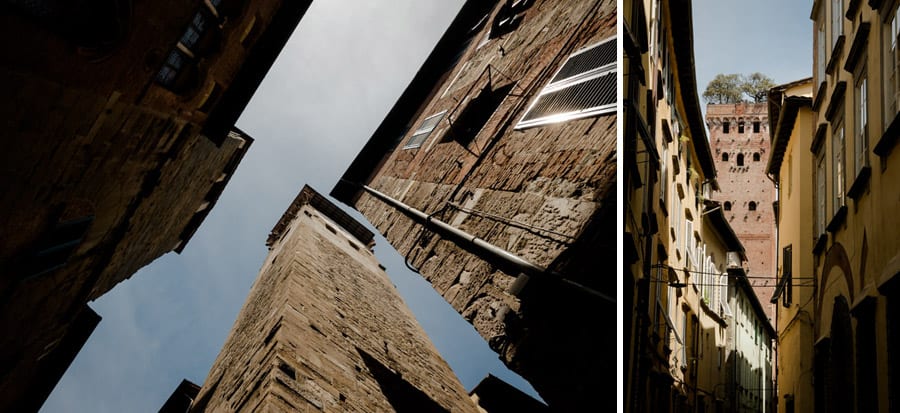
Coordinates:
(664, 173)
(861, 140)
(820, 46)
(420, 134)
(688, 241)
(838, 167)
(837, 20)
(891, 58)
(584, 86)
(820, 192)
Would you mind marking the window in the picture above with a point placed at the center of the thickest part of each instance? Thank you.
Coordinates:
(175, 62)
(861, 140)
(820, 192)
(664, 174)
(725, 157)
(194, 31)
(752, 206)
(820, 46)
(424, 130)
(756, 127)
(728, 205)
(787, 296)
(756, 157)
(584, 86)
(837, 20)
(740, 159)
(891, 60)
(465, 125)
(741, 127)
(726, 126)
(837, 169)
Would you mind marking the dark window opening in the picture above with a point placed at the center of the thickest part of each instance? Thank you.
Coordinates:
(740, 159)
(725, 157)
(727, 206)
(752, 206)
(756, 157)
(787, 273)
(466, 126)
(726, 127)
(756, 127)
(741, 127)
(55, 247)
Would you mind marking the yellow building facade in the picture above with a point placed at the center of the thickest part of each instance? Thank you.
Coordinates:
(790, 109)
(852, 246)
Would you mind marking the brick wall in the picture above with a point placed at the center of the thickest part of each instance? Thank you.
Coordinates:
(545, 194)
(741, 185)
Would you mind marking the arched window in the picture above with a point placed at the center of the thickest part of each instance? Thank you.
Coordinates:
(725, 157)
(740, 159)
(756, 157)
(727, 206)
(752, 206)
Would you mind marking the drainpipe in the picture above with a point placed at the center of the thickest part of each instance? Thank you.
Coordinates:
(483, 248)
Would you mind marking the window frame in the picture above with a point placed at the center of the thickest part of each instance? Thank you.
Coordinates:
(839, 165)
(608, 69)
(820, 192)
(425, 131)
(891, 65)
(861, 131)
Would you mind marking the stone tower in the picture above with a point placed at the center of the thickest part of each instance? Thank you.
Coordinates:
(323, 329)
(738, 136)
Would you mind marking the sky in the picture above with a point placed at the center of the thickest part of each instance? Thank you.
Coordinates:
(343, 68)
(773, 37)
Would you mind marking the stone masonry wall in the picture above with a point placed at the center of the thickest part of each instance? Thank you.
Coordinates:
(142, 174)
(320, 329)
(741, 185)
(541, 193)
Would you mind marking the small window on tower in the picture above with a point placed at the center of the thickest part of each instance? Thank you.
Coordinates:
(756, 157)
(756, 127)
(725, 157)
(727, 206)
(740, 159)
(752, 206)
(741, 127)
(726, 126)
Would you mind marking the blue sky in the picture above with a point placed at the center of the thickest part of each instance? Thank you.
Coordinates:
(773, 37)
(344, 67)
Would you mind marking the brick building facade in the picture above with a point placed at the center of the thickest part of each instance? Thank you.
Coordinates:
(119, 138)
(323, 329)
(739, 138)
(507, 136)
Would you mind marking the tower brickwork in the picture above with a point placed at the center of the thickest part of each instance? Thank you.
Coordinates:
(323, 329)
(739, 138)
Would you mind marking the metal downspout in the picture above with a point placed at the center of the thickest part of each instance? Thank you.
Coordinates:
(460, 237)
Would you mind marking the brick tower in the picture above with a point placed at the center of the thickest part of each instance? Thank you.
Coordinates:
(738, 135)
(323, 329)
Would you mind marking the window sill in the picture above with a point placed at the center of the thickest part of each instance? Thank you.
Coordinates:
(837, 220)
(820, 243)
(889, 138)
(860, 183)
